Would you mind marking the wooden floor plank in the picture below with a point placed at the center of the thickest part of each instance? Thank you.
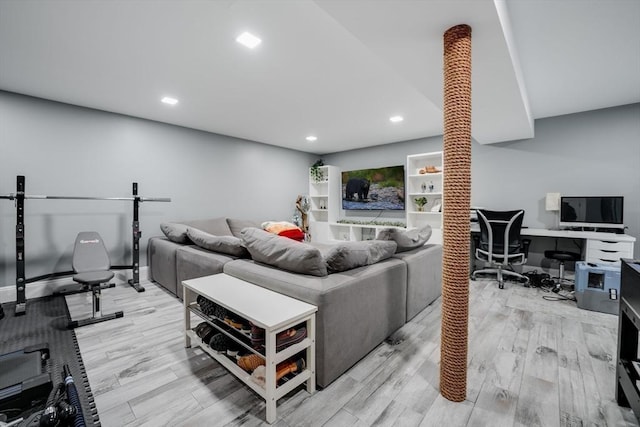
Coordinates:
(417, 394)
(396, 414)
(446, 413)
(344, 418)
(495, 407)
(537, 403)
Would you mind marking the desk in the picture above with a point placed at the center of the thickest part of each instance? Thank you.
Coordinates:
(601, 248)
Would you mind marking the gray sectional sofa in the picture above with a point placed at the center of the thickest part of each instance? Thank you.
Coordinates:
(357, 308)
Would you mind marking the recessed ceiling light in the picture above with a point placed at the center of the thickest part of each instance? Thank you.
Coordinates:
(396, 119)
(248, 40)
(169, 100)
(311, 138)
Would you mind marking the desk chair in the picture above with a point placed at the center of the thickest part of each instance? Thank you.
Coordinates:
(500, 244)
(91, 264)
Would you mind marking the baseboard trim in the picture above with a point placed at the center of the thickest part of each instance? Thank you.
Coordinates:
(43, 288)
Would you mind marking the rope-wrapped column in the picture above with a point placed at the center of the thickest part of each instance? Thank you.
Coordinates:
(456, 204)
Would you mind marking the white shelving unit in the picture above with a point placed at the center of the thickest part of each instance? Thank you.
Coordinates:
(266, 309)
(354, 232)
(429, 185)
(324, 195)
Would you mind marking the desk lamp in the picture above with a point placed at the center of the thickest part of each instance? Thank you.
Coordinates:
(552, 204)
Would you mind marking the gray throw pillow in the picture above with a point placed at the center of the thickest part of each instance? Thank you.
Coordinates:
(236, 225)
(406, 239)
(216, 226)
(230, 245)
(282, 252)
(348, 255)
(175, 232)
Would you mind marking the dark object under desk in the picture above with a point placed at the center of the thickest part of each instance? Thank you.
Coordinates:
(628, 377)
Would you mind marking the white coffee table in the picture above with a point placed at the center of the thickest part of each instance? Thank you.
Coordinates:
(267, 309)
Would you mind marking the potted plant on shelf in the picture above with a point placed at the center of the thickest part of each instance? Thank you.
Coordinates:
(317, 174)
(420, 202)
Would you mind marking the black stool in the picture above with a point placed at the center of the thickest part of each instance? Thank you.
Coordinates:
(561, 256)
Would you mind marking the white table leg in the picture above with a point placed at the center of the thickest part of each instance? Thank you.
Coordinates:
(311, 354)
(186, 297)
(270, 383)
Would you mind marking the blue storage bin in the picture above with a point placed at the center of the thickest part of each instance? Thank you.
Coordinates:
(598, 288)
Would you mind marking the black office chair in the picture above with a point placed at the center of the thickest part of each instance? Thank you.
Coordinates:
(91, 263)
(500, 244)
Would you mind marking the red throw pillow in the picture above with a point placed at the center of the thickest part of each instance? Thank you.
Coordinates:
(295, 234)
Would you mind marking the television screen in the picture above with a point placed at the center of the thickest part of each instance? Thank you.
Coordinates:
(373, 189)
(591, 211)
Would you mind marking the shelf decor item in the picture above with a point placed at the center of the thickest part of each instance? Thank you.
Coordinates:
(303, 205)
(420, 202)
(428, 185)
(428, 169)
(317, 174)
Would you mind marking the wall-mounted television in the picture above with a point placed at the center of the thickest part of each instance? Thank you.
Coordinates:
(373, 189)
(591, 211)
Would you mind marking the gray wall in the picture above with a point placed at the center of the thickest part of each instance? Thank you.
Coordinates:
(67, 150)
(591, 153)
(73, 151)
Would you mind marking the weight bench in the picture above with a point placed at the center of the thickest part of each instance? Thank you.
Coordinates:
(91, 264)
(24, 379)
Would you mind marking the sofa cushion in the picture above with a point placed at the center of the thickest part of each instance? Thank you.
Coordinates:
(406, 239)
(283, 252)
(236, 225)
(230, 245)
(193, 261)
(175, 232)
(348, 255)
(216, 226)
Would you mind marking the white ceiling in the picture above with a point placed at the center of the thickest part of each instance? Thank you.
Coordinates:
(335, 69)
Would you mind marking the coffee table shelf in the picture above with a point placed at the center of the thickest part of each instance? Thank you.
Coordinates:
(266, 309)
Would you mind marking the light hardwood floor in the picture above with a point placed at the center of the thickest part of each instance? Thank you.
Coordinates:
(532, 362)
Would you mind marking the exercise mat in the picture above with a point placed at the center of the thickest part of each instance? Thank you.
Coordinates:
(45, 321)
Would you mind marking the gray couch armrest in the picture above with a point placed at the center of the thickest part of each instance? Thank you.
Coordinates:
(161, 257)
(424, 277)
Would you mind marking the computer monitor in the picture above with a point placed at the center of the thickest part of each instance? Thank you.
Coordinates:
(591, 211)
